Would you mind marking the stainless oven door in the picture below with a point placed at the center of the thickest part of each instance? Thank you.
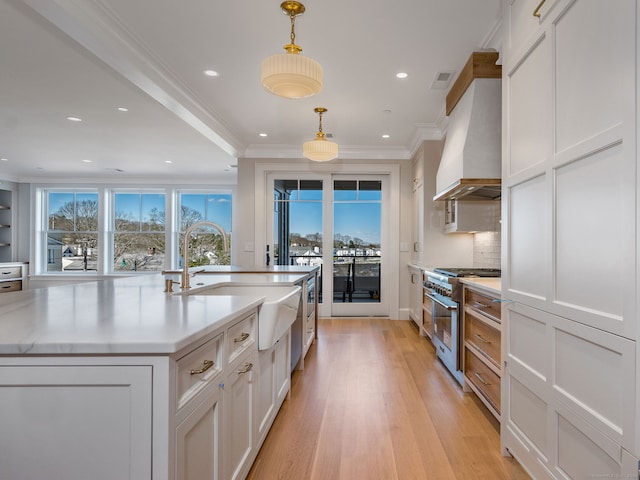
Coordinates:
(444, 313)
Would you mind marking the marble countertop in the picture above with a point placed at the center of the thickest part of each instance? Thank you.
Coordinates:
(492, 285)
(123, 316)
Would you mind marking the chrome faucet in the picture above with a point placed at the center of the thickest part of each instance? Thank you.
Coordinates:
(185, 251)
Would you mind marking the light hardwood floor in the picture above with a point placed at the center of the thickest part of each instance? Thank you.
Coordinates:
(373, 403)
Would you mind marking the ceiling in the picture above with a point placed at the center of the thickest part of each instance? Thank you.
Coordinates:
(84, 59)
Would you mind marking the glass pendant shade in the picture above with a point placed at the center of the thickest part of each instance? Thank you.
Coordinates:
(291, 75)
(320, 149)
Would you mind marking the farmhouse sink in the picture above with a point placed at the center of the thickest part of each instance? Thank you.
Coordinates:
(277, 313)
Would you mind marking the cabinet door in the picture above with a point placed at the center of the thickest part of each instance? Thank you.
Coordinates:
(266, 392)
(75, 422)
(239, 401)
(198, 440)
(282, 364)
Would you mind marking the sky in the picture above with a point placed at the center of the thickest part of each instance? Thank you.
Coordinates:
(213, 207)
(360, 220)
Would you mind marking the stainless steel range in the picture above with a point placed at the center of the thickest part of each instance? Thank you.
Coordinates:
(443, 288)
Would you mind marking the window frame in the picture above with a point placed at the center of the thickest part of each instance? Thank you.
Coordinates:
(106, 223)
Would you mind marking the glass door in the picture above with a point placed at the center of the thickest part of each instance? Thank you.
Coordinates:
(357, 219)
(336, 223)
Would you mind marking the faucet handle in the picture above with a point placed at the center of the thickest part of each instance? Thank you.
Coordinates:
(168, 285)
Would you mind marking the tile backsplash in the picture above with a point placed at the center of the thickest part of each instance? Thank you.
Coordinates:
(486, 250)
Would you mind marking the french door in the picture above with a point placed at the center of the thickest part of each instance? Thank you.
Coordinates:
(337, 222)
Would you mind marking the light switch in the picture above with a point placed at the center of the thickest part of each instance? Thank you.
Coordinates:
(248, 246)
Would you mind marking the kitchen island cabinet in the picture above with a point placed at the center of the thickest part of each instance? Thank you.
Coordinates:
(130, 382)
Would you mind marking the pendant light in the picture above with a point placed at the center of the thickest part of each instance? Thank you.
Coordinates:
(320, 149)
(291, 75)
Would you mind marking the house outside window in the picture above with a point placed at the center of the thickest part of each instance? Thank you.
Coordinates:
(72, 231)
(206, 244)
(139, 237)
(106, 230)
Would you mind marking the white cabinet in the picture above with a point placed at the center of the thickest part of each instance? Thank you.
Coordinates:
(418, 204)
(415, 296)
(199, 405)
(198, 440)
(240, 391)
(199, 414)
(275, 382)
(13, 277)
(570, 395)
(64, 421)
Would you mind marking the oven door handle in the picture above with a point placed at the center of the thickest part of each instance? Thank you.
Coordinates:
(439, 302)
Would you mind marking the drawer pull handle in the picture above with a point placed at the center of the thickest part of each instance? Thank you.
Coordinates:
(206, 365)
(7, 272)
(536, 12)
(482, 380)
(246, 368)
(481, 338)
(241, 338)
(480, 305)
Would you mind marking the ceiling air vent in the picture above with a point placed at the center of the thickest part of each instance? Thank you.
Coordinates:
(328, 135)
(442, 80)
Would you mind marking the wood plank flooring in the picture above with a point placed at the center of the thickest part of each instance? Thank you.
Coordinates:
(373, 403)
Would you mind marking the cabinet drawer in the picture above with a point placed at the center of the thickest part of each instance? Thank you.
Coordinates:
(12, 286)
(241, 336)
(10, 272)
(196, 369)
(483, 304)
(483, 378)
(482, 336)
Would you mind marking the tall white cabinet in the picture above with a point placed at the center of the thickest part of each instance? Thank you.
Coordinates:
(570, 242)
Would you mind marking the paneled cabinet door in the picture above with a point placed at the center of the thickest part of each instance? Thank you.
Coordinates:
(266, 393)
(198, 443)
(239, 400)
(75, 422)
(282, 373)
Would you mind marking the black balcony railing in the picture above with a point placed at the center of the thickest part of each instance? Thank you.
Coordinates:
(356, 278)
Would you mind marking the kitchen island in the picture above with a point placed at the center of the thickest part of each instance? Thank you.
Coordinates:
(118, 379)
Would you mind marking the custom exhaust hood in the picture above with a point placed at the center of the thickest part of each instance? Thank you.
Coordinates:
(470, 167)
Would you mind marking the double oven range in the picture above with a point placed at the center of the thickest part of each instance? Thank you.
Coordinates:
(443, 298)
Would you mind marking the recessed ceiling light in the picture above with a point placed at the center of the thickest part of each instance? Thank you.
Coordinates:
(123, 109)
(4, 159)
(74, 119)
(263, 134)
(86, 160)
(386, 135)
(402, 75)
(168, 161)
(211, 73)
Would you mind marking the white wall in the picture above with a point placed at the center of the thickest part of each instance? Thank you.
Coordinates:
(247, 235)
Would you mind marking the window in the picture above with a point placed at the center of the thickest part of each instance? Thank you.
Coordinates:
(139, 232)
(107, 230)
(206, 244)
(72, 231)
